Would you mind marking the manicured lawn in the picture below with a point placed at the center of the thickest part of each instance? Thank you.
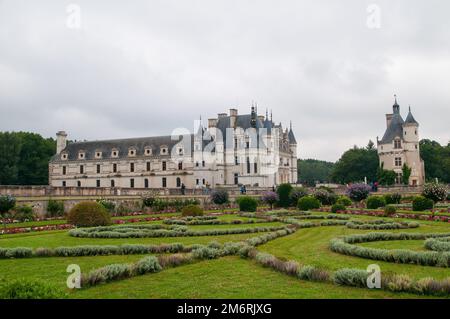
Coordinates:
(227, 277)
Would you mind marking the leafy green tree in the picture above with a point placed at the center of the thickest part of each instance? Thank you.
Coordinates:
(10, 147)
(406, 173)
(385, 177)
(311, 171)
(356, 164)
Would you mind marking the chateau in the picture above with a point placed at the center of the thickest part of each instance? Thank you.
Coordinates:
(400, 145)
(248, 149)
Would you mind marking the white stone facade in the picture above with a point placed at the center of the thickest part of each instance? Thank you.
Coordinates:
(234, 149)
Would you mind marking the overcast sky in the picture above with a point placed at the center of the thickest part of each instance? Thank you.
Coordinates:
(143, 68)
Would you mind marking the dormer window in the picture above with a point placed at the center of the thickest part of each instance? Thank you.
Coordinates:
(132, 152)
(397, 143)
(64, 156)
(148, 151)
(180, 151)
(115, 153)
(164, 150)
(81, 155)
(98, 154)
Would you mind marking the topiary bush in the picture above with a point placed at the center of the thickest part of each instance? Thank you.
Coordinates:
(308, 202)
(297, 193)
(88, 214)
(434, 191)
(390, 210)
(393, 198)
(420, 203)
(374, 202)
(344, 200)
(30, 289)
(284, 193)
(270, 198)
(219, 196)
(325, 196)
(55, 208)
(192, 210)
(247, 204)
(337, 208)
(358, 192)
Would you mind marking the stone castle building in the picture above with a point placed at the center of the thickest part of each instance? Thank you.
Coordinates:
(234, 149)
(400, 145)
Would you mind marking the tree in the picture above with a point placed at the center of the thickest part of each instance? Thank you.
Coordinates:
(386, 177)
(356, 164)
(311, 171)
(406, 173)
(437, 160)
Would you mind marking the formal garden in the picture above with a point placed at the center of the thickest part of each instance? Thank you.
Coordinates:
(292, 243)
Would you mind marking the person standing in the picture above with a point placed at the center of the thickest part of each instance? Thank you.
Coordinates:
(183, 189)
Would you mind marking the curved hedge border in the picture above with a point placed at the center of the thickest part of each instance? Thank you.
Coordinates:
(428, 258)
(145, 231)
(381, 224)
(338, 217)
(211, 221)
(438, 244)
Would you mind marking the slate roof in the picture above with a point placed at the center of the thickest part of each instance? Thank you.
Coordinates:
(291, 137)
(395, 129)
(410, 118)
(122, 145)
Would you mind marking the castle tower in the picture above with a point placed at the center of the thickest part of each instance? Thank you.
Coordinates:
(400, 146)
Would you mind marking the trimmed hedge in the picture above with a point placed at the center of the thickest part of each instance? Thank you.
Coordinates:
(421, 203)
(88, 214)
(192, 210)
(247, 204)
(338, 208)
(308, 202)
(375, 202)
(381, 224)
(428, 258)
(438, 244)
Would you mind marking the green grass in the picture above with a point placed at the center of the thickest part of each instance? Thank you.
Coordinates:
(228, 277)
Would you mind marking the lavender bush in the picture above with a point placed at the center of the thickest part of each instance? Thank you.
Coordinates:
(270, 198)
(358, 192)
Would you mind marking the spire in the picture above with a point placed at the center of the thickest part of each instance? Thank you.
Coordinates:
(271, 116)
(291, 135)
(410, 118)
(267, 113)
(396, 107)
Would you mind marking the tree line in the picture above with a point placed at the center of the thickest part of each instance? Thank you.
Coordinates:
(24, 158)
(359, 163)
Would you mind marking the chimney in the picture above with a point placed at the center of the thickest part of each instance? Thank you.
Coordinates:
(61, 141)
(220, 115)
(212, 123)
(233, 116)
(389, 119)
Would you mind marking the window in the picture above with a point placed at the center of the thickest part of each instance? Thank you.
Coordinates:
(148, 151)
(197, 182)
(180, 165)
(98, 183)
(81, 155)
(132, 182)
(204, 181)
(146, 183)
(203, 163)
(235, 143)
(114, 153)
(236, 178)
(398, 161)
(197, 164)
(81, 169)
(98, 154)
(247, 144)
(131, 167)
(399, 178)
(248, 165)
(164, 182)
(98, 168)
(397, 144)
(132, 152)
(113, 183)
(114, 168)
(64, 156)
(64, 169)
(148, 167)
(180, 151)
(255, 167)
(163, 150)
(416, 146)
(178, 182)
(79, 183)
(63, 183)
(236, 160)
(164, 166)
(415, 132)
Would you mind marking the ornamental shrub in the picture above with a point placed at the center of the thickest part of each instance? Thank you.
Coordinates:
(88, 214)
(108, 204)
(206, 253)
(393, 198)
(219, 196)
(420, 203)
(390, 210)
(30, 289)
(146, 265)
(374, 202)
(192, 210)
(247, 204)
(7, 202)
(358, 192)
(284, 192)
(344, 200)
(325, 196)
(312, 273)
(337, 208)
(308, 202)
(297, 193)
(270, 198)
(351, 277)
(24, 213)
(435, 192)
(55, 208)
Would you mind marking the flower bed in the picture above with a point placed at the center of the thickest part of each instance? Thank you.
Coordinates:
(19, 230)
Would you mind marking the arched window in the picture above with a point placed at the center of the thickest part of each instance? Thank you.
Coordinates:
(178, 182)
